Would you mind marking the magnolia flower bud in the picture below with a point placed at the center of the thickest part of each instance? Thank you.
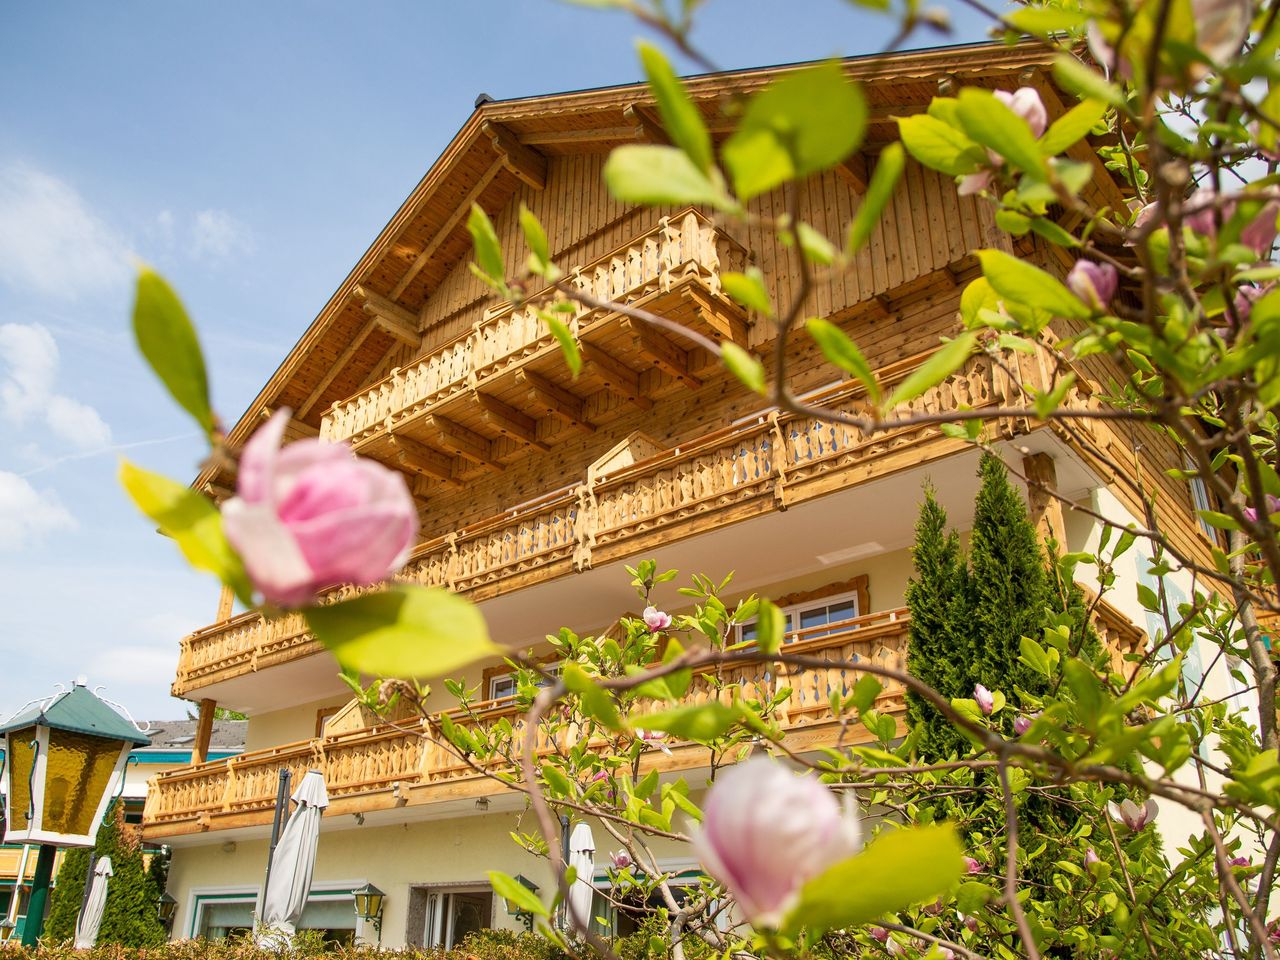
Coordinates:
(879, 934)
(656, 619)
(1133, 816)
(971, 924)
(1240, 862)
(1094, 283)
(1246, 297)
(312, 515)
(1273, 506)
(766, 831)
(986, 702)
(972, 866)
(621, 859)
(1204, 205)
(1021, 724)
(1026, 103)
(654, 738)
(1090, 857)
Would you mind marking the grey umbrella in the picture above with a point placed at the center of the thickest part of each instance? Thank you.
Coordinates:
(91, 916)
(293, 863)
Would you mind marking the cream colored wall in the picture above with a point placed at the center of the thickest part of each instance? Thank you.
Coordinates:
(272, 729)
(392, 858)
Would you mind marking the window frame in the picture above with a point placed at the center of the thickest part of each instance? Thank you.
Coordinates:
(795, 604)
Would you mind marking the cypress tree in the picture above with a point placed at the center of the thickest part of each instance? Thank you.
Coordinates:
(1007, 588)
(932, 651)
(129, 917)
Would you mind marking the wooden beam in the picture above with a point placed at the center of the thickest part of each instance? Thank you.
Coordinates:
(204, 731)
(389, 315)
(648, 126)
(338, 366)
(666, 356)
(616, 376)
(424, 460)
(853, 171)
(465, 443)
(555, 137)
(226, 603)
(1044, 508)
(509, 421)
(555, 401)
(525, 162)
(460, 211)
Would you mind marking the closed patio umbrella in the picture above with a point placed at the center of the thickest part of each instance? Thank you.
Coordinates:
(293, 862)
(91, 916)
(582, 857)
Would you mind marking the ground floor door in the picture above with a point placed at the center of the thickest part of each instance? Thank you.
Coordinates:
(448, 915)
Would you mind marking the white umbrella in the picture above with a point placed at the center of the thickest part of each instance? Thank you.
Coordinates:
(91, 916)
(293, 862)
(582, 857)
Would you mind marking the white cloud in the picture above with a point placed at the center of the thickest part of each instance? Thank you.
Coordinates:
(51, 243)
(28, 389)
(217, 235)
(28, 514)
(137, 666)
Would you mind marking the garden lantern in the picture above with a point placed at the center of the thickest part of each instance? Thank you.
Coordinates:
(7, 927)
(165, 908)
(368, 902)
(514, 909)
(66, 758)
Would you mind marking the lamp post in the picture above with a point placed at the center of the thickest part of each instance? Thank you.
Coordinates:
(66, 758)
(514, 909)
(369, 906)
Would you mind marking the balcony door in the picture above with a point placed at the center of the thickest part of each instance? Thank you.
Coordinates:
(453, 913)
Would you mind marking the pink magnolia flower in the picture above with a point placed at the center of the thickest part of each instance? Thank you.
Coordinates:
(311, 516)
(1091, 857)
(654, 738)
(971, 924)
(986, 702)
(1273, 506)
(1026, 103)
(1246, 297)
(1258, 234)
(1240, 862)
(879, 934)
(766, 831)
(934, 909)
(1133, 816)
(656, 619)
(1021, 724)
(1094, 283)
(972, 866)
(621, 859)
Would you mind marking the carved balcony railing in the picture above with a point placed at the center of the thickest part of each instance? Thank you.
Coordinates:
(684, 251)
(388, 766)
(764, 463)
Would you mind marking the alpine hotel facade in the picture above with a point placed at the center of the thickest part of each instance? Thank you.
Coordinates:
(535, 489)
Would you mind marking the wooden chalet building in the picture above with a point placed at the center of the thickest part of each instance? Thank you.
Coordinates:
(535, 488)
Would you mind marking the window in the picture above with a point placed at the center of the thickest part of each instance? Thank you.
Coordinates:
(809, 616)
(443, 917)
(502, 686)
(1200, 500)
(220, 915)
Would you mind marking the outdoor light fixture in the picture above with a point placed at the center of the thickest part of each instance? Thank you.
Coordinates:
(166, 906)
(514, 909)
(7, 927)
(369, 903)
(66, 758)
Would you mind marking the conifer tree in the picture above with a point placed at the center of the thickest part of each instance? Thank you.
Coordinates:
(932, 653)
(129, 917)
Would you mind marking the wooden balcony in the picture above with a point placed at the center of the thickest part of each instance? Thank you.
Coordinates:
(383, 767)
(763, 463)
(503, 389)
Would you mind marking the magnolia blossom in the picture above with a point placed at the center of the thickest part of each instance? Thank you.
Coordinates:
(879, 934)
(1221, 27)
(1025, 102)
(311, 516)
(654, 738)
(1273, 506)
(1246, 297)
(656, 619)
(972, 866)
(971, 924)
(621, 859)
(767, 830)
(1090, 857)
(1021, 724)
(1202, 210)
(986, 702)
(1133, 816)
(1094, 283)
(1240, 862)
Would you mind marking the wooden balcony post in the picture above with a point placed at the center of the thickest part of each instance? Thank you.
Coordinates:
(226, 603)
(1045, 509)
(204, 731)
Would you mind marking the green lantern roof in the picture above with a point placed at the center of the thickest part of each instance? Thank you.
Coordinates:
(79, 711)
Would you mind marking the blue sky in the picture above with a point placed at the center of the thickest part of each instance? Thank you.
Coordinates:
(251, 151)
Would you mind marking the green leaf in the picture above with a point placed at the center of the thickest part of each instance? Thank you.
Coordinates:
(744, 366)
(488, 249)
(804, 122)
(1035, 656)
(597, 703)
(938, 145)
(1046, 402)
(1084, 81)
(192, 521)
(404, 631)
(844, 353)
(511, 889)
(865, 692)
(884, 180)
(1019, 281)
(557, 780)
(1042, 21)
(972, 896)
(535, 236)
(748, 289)
(1072, 126)
(568, 343)
(771, 628)
(899, 868)
(816, 248)
(989, 122)
(704, 721)
(168, 342)
(933, 371)
(680, 117)
(655, 175)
